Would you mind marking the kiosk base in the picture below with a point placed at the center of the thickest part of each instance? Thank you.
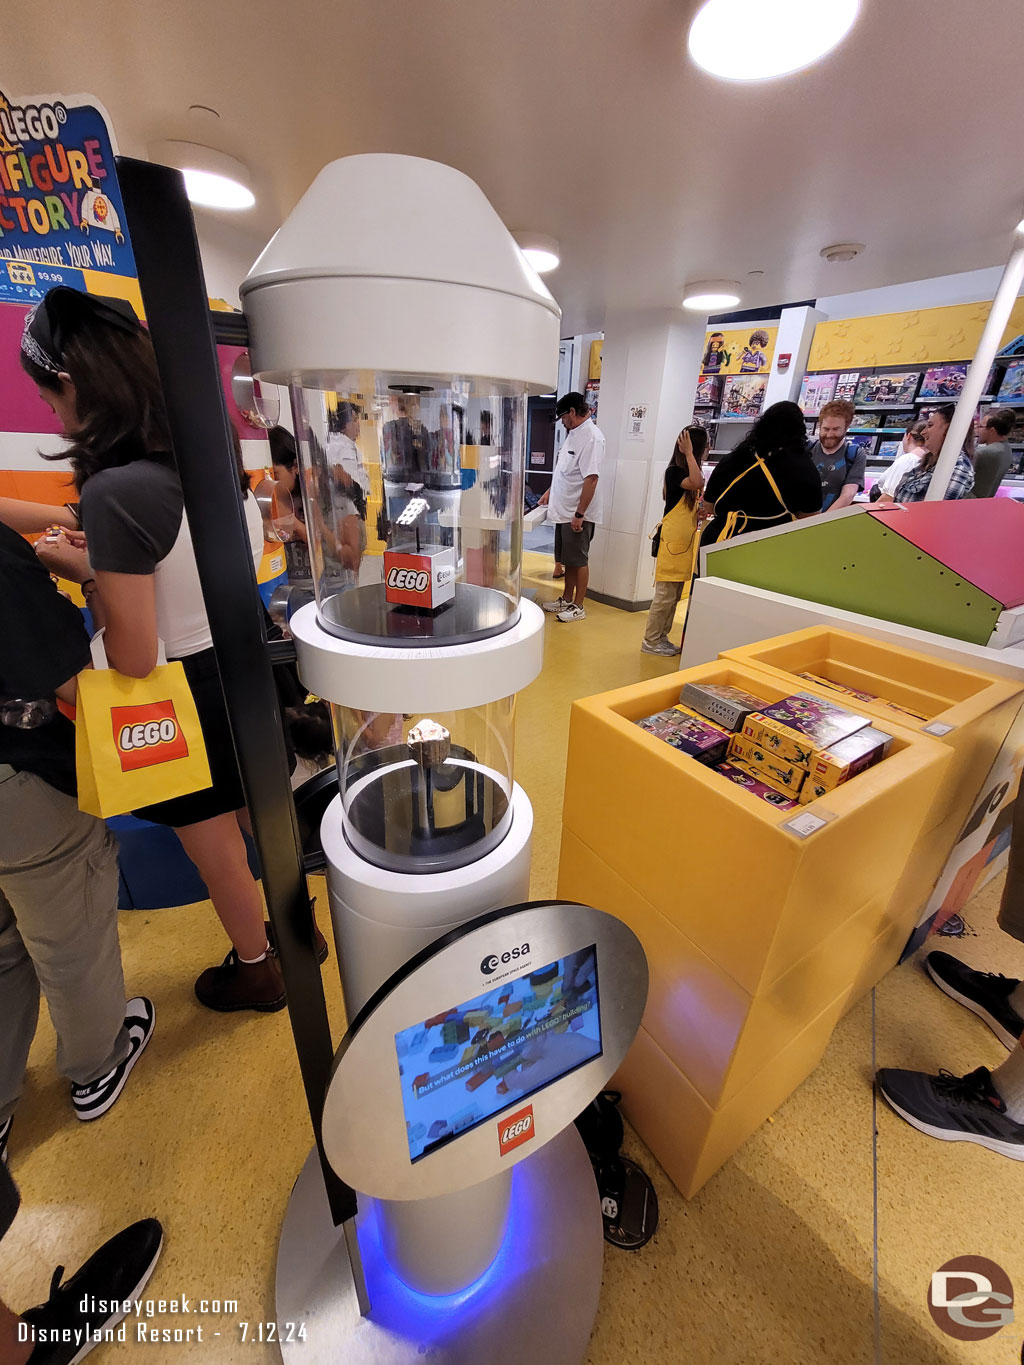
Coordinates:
(537, 1300)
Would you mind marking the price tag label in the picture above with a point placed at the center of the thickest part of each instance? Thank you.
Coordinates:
(807, 823)
(938, 729)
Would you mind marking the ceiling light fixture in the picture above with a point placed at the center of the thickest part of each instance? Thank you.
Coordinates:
(773, 41)
(213, 180)
(710, 296)
(539, 249)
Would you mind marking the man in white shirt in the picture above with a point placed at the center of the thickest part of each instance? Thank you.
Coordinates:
(574, 503)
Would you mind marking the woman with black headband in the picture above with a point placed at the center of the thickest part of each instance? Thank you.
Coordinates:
(93, 364)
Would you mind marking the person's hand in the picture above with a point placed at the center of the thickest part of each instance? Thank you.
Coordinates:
(543, 500)
(63, 558)
(685, 444)
(577, 524)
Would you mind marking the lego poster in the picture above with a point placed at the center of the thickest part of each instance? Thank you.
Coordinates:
(745, 350)
(1011, 390)
(743, 396)
(846, 386)
(888, 388)
(943, 381)
(61, 216)
(815, 391)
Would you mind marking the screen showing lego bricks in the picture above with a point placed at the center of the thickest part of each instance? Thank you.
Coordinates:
(470, 1062)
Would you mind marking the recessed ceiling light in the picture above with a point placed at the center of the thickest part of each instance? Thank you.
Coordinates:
(773, 40)
(539, 249)
(709, 296)
(213, 180)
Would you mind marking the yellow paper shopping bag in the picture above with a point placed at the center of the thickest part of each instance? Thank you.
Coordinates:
(137, 740)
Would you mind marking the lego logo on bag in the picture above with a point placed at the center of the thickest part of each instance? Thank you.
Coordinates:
(515, 1130)
(412, 580)
(147, 735)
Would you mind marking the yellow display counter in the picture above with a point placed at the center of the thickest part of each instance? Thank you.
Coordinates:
(968, 711)
(756, 936)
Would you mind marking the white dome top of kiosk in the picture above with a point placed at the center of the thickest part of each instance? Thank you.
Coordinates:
(398, 263)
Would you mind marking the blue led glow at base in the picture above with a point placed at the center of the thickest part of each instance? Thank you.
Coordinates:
(413, 1314)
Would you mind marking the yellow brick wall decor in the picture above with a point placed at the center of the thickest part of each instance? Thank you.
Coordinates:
(923, 337)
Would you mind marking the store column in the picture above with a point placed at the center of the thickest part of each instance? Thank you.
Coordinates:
(649, 370)
(792, 347)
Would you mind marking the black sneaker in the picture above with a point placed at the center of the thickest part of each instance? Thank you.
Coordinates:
(5, 1133)
(111, 1277)
(954, 1108)
(984, 993)
(93, 1100)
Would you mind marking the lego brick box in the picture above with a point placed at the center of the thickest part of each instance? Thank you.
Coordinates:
(726, 706)
(689, 733)
(844, 760)
(857, 695)
(750, 781)
(822, 721)
(780, 772)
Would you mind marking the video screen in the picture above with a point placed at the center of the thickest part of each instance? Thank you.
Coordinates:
(467, 1064)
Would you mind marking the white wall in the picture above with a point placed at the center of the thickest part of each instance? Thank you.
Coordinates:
(228, 253)
(968, 287)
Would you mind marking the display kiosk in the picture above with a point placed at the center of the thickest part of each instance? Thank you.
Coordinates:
(473, 1043)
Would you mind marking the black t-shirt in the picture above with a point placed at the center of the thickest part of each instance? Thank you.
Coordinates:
(44, 644)
(674, 489)
(794, 473)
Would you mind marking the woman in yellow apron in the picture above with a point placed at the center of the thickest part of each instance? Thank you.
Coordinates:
(767, 480)
(676, 535)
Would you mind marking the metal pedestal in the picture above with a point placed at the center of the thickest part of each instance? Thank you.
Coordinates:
(537, 1301)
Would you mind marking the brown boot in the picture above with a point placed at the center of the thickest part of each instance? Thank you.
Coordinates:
(319, 942)
(238, 985)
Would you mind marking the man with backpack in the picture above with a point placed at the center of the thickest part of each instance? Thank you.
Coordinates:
(840, 465)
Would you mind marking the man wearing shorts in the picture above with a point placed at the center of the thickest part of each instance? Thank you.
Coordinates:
(573, 501)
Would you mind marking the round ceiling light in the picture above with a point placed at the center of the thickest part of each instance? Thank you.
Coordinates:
(213, 180)
(711, 296)
(772, 40)
(540, 250)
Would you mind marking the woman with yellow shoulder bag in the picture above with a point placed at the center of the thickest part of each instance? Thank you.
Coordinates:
(93, 364)
(675, 538)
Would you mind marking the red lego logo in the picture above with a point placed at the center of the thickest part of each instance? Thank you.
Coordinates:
(145, 736)
(516, 1129)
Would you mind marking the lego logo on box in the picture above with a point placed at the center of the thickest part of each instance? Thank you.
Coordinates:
(515, 1130)
(423, 578)
(145, 736)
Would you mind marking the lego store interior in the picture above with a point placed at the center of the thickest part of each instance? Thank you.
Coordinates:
(512, 683)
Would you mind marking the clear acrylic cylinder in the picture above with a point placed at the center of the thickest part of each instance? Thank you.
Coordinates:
(412, 491)
(425, 794)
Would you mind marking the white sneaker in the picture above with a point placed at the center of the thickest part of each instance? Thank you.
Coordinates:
(559, 604)
(572, 613)
(662, 647)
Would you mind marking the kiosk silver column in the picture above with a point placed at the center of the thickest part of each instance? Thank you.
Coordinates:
(410, 330)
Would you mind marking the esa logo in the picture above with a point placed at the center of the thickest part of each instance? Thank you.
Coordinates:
(492, 961)
(413, 580)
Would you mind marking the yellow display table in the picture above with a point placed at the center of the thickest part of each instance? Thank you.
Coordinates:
(756, 936)
(968, 711)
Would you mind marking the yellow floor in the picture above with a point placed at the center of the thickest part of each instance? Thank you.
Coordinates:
(774, 1261)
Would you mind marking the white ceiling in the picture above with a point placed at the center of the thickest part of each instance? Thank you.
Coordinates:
(587, 121)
